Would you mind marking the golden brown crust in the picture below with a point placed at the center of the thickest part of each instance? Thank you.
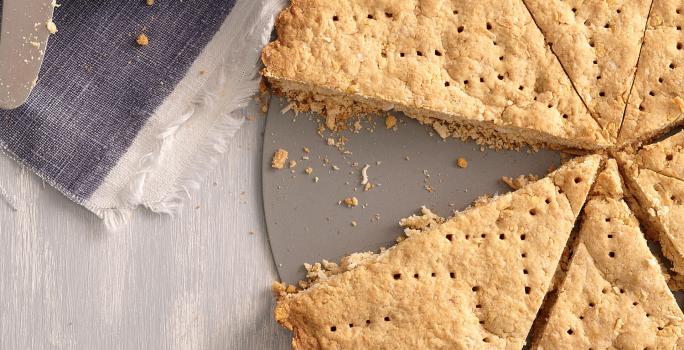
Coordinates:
(660, 206)
(614, 294)
(665, 157)
(463, 63)
(659, 82)
(598, 44)
(476, 280)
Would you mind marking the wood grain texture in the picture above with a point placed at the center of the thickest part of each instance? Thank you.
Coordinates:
(195, 281)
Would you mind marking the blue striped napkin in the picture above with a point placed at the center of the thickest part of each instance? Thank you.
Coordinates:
(114, 125)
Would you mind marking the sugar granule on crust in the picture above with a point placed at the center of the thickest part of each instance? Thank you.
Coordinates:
(679, 102)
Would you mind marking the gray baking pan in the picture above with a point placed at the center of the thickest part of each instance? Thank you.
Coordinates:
(304, 219)
(409, 166)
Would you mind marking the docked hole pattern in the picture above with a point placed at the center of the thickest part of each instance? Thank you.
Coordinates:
(609, 292)
(408, 278)
(366, 323)
(669, 71)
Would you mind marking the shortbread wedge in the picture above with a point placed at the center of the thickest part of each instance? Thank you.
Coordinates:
(598, 43)
(614, 295)
(470, 68)
(660, 205)
(665, 157)
(474, 281)
(656, 103)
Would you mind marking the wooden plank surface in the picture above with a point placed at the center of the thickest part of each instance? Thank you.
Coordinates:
(196, 281)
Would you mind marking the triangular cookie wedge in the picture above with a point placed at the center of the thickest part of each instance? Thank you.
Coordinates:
(660, 205)
(471, 68)
(665, 157)
(598, 44)
(614, 294)
(656, 103)
(476, 280)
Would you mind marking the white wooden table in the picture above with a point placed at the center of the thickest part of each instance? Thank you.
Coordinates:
(196, 281)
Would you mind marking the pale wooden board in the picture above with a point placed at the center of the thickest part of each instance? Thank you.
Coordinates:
(196, 281)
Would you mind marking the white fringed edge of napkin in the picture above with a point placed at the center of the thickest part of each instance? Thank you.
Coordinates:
(185, 137)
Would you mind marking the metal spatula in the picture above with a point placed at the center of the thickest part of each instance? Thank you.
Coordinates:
(23, 38)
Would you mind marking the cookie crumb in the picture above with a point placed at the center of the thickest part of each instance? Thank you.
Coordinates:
(279, 158)
(353, 223)
(306, 150)
(51, 27)
(350, 202)
(462, 163)
(308, 170)
(520, 181)
(293, 163)
(142, 40)
(364, 175)
(149, 2)
(390, 121)
(442, 130)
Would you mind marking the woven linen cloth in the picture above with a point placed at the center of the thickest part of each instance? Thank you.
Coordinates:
(114, 125)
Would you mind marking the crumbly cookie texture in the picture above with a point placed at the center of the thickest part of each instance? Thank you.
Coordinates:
(660, 206)
(597, 43)
(489, 267)
(652, 108)
(472, 69)
(520, 181)
(614, 294)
